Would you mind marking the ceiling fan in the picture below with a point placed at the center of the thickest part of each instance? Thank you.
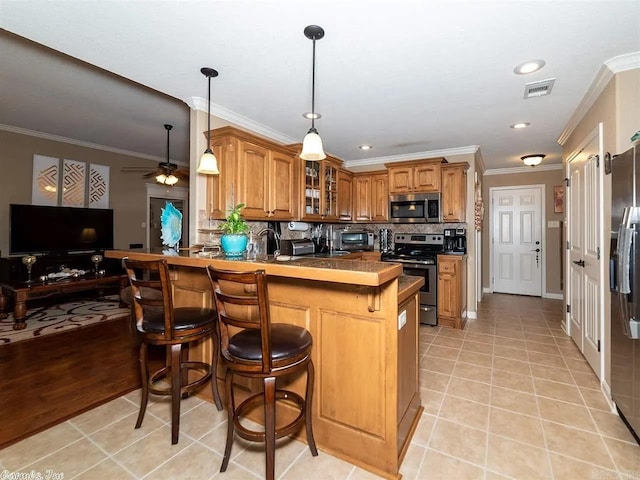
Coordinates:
(166, 173)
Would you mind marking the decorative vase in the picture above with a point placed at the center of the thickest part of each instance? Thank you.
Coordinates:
(234, 245)
(171, 226)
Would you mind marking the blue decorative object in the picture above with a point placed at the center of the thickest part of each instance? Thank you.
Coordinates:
(234, 245)
(171, 226)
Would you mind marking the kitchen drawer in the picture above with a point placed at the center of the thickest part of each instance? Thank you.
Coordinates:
(446, 267)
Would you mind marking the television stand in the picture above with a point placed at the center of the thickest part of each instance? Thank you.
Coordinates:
(22, 292)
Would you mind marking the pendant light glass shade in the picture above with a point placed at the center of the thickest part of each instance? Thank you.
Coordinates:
(532, 160)
(312, 144)
(208, 163)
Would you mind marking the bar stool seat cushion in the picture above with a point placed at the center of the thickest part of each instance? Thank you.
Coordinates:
(286, 341)
(185, 318)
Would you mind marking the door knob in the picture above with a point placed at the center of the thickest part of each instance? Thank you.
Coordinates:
(537, 250)
(580, 263)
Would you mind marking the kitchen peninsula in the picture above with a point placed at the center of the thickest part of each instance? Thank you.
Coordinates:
(363, 317)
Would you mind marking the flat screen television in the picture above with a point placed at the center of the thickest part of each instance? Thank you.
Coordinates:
(58, 230)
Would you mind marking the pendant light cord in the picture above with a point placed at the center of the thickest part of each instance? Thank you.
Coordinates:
(209, 115)
(313, 87)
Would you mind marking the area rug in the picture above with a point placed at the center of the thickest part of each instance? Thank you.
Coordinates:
(62, 317)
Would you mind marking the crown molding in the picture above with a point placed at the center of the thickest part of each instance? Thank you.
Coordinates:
(480, 165)
(618, 64)
(364, 162)
(199, 103)
(524, 169)
(80, 143)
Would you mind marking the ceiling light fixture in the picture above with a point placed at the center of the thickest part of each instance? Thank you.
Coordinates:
(208, 161)
(533, 160)
(311, 115)
(167, 177)
(518, 126)
(312, 144)
(365, 146)
(529, 67)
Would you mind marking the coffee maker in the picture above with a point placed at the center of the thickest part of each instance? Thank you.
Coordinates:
(455, 241)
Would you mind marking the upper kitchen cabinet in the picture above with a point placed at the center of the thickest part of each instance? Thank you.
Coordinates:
(345, 195)
(454, 192)
(371, 197)
(419, 176)
(253, 171)
(319, 189)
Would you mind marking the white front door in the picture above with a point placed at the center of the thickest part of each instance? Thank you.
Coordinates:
(585, 277)
(517, 240)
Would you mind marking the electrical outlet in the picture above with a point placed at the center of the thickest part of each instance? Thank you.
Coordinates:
(553, 224)
(402, 319)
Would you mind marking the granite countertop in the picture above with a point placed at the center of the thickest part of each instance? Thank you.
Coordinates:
(407, 286)
(331, 269)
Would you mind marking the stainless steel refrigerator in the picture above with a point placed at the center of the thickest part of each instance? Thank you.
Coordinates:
(624, 279)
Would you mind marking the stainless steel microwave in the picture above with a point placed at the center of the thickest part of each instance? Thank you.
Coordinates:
(352, 240)
(415, 208)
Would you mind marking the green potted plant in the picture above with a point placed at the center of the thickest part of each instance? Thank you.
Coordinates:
(234, 240)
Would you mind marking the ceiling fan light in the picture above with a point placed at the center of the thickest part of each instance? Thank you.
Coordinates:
(171, 180)
(532, 160)
(162, 178)
(208, 163)
(312, 146)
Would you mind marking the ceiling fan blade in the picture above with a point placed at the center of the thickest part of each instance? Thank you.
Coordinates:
(181, 175)
(150, 174)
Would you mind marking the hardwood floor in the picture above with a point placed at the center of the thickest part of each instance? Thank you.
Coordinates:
(51, 379)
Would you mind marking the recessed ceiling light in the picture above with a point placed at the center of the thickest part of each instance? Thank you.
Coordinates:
(520, 125)
(364, 146)
(310, 115)
(529, 67)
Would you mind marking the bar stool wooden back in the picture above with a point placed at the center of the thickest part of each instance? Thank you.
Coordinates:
(158, 322)
(251, 346)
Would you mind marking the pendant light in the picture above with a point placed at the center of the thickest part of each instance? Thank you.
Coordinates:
(312, 144)
(533, 160)
(167, 177)
(208, 162)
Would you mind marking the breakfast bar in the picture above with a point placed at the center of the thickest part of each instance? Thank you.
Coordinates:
(363, 317)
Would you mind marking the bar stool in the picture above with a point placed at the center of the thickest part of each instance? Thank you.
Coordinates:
(263, 350)
(159, 323)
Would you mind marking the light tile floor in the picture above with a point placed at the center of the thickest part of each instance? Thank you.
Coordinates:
(510, 397)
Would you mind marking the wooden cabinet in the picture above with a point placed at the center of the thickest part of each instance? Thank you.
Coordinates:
(454, 192)
(420, 176)
(371, 197)
(345, 195)
(452, 290)
(319, 189)
(253, 171)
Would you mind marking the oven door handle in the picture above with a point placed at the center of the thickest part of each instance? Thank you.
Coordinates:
(411, 263)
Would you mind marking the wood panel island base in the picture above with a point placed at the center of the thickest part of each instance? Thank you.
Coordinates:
(363, 317)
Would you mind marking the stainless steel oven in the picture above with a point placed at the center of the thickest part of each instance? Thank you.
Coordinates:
(418, 255)
(428, 295)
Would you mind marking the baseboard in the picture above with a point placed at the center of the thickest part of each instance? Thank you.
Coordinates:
(556, 296)
(487, 290)
(472, 314)
(606, 390)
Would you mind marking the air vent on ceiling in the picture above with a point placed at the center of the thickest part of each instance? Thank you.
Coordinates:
(538, 89)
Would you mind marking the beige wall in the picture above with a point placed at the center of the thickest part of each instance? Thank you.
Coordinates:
(127, 192)
(552, 236)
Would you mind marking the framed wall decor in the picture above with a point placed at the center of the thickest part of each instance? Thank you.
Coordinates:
(98, 186)
(558, 199)
(46, 175)
(73, 183)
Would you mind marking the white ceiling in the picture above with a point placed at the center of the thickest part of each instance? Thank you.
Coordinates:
(404, 76)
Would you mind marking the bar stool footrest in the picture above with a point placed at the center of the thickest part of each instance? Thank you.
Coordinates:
(161, 374)
(258, 400)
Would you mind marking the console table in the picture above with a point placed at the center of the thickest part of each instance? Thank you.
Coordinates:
(23, 291)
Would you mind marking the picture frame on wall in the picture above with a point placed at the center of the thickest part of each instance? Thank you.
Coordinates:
(558, 199)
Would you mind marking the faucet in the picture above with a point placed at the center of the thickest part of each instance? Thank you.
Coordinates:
(276, 235)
